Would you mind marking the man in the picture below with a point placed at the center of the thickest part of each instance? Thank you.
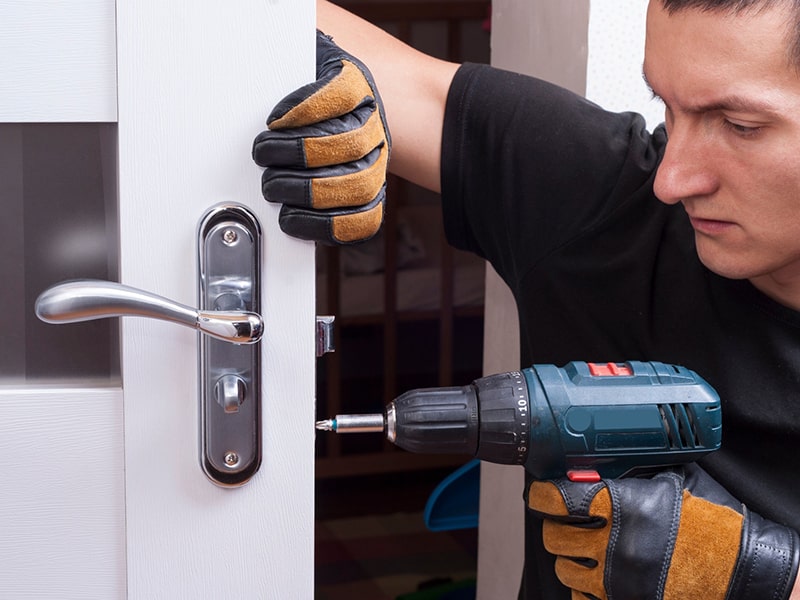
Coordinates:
(617, 246)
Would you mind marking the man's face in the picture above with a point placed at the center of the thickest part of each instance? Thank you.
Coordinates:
(732, 103)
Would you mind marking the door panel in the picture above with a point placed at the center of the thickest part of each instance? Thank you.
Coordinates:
(58, 59)
(62, 506)
(196, 80)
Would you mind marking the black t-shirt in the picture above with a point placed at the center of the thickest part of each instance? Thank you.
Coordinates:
(558, 195)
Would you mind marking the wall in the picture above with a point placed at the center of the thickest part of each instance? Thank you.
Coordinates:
(614, 61)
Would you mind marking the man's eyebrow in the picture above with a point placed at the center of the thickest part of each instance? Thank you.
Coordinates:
(736, 103)
(732, 102)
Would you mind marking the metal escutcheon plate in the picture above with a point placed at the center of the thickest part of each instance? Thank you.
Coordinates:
(229, 253)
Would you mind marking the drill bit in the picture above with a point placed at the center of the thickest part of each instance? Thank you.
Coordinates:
(353, 423)
(327, 425)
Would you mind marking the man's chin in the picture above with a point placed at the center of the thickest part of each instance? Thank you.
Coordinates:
(725, 265)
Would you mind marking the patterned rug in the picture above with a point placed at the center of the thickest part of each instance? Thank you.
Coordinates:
(393, 557)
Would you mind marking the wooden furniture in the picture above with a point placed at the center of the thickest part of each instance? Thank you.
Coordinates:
(392, 328)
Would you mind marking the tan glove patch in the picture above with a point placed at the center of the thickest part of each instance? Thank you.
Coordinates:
(703, 563)
(345, 147)
(340, 96)
(353, 189)
(357, 226)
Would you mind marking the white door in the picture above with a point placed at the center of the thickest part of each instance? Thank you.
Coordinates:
(103, 495)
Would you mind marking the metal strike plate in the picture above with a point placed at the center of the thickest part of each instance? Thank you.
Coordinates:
(229, 248)
(325, 337)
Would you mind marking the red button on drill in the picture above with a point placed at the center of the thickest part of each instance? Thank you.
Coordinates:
(583, 476)
(608, 369)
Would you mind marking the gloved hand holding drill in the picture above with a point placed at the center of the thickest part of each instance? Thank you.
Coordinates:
(326, 153)
(676, 536)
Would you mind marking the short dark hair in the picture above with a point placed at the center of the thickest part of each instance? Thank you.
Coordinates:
(738, 6)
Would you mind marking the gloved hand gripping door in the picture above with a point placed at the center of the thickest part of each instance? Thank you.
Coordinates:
(229, 324)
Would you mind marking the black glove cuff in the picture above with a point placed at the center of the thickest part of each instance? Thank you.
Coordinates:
(768, 561)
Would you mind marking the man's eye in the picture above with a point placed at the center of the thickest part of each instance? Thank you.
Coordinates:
(741, 130)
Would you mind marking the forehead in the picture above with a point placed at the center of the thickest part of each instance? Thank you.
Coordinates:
(702, 52)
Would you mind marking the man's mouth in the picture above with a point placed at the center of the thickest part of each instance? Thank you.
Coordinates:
(710, 226)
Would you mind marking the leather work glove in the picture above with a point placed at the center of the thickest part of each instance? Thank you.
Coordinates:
(326, 153)
(676, 536)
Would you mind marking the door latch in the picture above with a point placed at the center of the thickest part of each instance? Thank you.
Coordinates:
(229, 324)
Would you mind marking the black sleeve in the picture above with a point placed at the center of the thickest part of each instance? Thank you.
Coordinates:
(528, 166)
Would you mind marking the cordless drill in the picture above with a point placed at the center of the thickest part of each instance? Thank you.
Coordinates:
(583, 420)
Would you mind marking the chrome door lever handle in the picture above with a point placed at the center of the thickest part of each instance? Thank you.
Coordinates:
(88, 299)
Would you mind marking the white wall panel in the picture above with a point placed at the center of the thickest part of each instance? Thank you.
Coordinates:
(616, 54)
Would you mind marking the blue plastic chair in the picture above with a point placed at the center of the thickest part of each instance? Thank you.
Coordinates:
(453, 504)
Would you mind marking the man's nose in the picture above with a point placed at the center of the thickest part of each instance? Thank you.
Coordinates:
(687, 169)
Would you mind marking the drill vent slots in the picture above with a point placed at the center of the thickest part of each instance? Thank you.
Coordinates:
(679, 426)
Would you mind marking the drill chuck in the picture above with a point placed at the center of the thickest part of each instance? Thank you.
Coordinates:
(487, 419)
(435, 421)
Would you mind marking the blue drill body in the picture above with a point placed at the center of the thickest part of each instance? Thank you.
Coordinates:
(584, 420)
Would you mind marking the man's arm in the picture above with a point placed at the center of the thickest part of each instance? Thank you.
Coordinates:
(412, 85)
